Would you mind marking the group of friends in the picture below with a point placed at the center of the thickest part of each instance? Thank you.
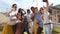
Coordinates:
(29, 23)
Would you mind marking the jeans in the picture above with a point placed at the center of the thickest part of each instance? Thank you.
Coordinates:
(47, 29)
(51, 28)
(39, 30)
(25, 28)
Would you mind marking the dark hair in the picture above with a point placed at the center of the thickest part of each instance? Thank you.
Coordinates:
(19, 10)
(28, 10)
(36, 8)
(13, 5)
(32, 8)
(41, 9)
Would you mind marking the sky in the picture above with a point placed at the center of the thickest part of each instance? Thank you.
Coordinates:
(5, 5)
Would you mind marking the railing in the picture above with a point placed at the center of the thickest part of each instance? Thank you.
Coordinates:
(56, 28)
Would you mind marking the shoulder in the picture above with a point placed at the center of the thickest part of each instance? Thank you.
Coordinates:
(38, 14)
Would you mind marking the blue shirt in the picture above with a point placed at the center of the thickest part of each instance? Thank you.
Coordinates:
(39, 19)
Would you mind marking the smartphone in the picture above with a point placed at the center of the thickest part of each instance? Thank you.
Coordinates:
(44, 0)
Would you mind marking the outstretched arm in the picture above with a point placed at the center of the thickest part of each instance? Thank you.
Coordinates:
(47, 3)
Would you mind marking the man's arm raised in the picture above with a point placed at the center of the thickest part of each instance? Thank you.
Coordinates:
(47, 3)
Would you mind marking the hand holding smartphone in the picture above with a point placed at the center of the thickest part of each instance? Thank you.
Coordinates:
(44, 0)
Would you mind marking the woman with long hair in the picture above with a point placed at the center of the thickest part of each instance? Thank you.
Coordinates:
(19, 24)
(9, 28)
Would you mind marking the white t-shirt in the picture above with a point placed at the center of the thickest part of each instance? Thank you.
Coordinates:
(29, 17)
(46, 19)
(12, 16)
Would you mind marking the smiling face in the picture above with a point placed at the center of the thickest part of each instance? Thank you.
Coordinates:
(14, 6)
(36, 10)
(33, 9)
(28, 11)
(18, 15)
(41, 10)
